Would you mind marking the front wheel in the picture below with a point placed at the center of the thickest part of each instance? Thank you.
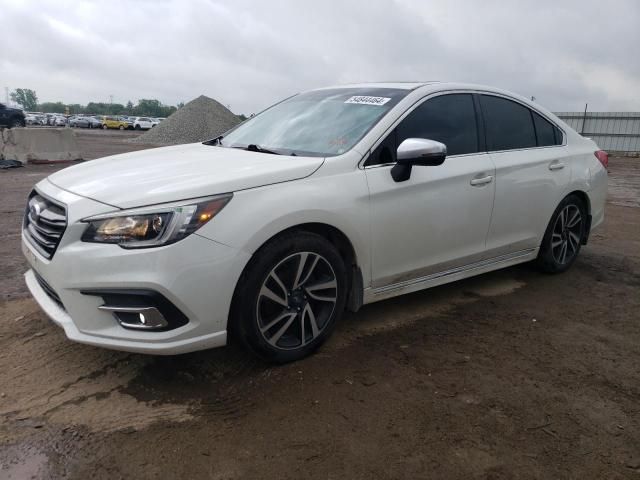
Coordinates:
(104, 127)
(564, 236)
(290, 297)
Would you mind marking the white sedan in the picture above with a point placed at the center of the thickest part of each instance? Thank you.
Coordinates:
(143, 123)
(329, 200)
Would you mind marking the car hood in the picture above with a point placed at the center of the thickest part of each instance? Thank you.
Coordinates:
(168, 174)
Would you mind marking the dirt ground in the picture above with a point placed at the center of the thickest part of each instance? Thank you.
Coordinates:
(513, 374)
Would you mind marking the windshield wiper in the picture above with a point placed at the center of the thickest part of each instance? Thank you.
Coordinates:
(252, 147)
(214, 141)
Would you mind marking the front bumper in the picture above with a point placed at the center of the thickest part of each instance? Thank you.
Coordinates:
(197, 275)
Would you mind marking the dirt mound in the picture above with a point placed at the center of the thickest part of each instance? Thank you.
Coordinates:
(199, 120)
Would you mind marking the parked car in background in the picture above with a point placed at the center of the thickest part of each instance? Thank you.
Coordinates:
(33, 119)
(94, 122)
(60, 121)
(110, 121)
(271, 232)
(129, 121)
(142, 123)
(11, 117)
(78, 121)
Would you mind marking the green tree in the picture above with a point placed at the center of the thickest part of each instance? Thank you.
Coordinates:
(129, 107)
(51, 107)
(26, 98)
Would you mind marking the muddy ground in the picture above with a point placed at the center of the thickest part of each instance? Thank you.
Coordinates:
(512, 374)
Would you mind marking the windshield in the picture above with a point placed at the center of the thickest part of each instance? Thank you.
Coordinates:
(318, 123)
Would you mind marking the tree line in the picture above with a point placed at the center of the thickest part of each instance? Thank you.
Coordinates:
(28, 100)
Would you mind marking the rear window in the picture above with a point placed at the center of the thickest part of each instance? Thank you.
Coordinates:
(508, 125)
(547, 134)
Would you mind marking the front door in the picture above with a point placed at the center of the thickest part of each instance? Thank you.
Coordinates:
(438, 218)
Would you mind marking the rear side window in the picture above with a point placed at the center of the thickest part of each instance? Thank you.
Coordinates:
(546, 133)
(508, 124)
(450, 119)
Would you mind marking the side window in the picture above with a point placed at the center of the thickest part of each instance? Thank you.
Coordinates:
(547, 133)
(508, 124)
(450, 119)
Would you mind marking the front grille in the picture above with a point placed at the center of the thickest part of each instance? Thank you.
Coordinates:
(49, 291)
(44, 224)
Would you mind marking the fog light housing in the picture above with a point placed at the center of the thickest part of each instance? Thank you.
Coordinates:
(140, 309)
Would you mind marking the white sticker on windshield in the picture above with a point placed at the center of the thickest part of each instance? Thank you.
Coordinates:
(366, 100)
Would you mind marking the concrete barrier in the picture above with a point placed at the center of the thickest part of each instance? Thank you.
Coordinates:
(39, 145)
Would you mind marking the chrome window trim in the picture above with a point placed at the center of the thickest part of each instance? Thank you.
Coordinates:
(420, 101)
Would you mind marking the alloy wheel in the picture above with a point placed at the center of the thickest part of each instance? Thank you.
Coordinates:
(296, 301)
(567, 234)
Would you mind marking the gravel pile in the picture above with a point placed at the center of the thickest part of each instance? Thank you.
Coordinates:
(199, 120)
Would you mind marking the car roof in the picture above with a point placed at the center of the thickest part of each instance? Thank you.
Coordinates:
(432, 85)
(399, 85)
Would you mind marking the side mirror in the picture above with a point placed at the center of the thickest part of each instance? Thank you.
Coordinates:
(417, 151)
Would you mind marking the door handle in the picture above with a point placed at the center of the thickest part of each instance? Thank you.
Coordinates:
(556, 166)
(481, 181)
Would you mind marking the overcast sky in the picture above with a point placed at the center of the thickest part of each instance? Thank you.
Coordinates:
(248, 54)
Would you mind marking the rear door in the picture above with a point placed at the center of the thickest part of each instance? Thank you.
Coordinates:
(437, 219)
(531, 173)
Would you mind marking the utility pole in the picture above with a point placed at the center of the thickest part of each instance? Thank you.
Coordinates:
(584, 118)
(110, 99)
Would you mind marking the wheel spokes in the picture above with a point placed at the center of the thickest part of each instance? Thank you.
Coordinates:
(305, 285)
(311, 289)
(266, 292)
(276, 336)
(574, 241)
(575, 219)
(300, 280)
(277, 320)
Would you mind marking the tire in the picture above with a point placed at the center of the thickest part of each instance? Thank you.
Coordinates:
(16, 122)
(137, 127)
(121, 127)
(564, 236)
(278, 310)
(104, 127)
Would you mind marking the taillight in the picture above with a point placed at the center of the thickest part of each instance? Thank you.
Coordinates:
(603, 157)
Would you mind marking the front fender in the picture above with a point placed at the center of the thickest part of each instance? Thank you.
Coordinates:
(254, 216)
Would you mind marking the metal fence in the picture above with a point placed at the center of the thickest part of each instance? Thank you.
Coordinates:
(612, 131)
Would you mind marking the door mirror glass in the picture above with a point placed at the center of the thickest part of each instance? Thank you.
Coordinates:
(417, 151)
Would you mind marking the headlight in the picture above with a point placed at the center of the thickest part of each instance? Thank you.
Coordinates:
(153, 226)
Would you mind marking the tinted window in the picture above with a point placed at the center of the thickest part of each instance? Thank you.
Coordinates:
(546, 132)
(449, 119)
(508, 124)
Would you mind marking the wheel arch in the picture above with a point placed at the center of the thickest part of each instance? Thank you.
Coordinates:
(341, 242)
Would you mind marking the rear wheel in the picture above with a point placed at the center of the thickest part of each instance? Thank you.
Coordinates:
(16, 122)
(290, 297)
(564, 235)
(121, 127)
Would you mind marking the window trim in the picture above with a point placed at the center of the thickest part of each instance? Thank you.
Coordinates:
(408, 111)
(480, 125)
(531, 109)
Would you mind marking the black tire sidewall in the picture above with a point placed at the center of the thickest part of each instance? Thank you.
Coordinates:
(546, 260)
(243, 319)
